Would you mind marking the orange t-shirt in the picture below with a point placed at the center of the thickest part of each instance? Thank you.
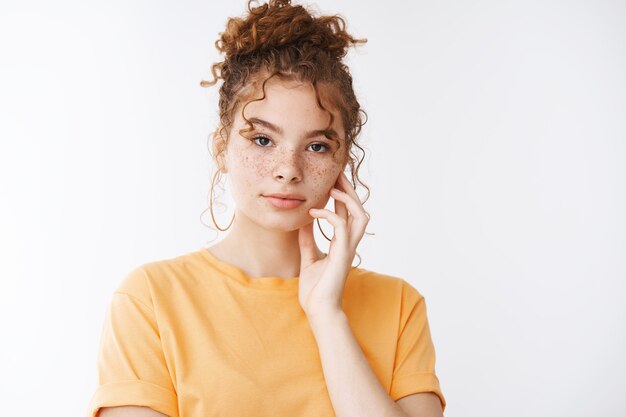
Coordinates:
(194, 336)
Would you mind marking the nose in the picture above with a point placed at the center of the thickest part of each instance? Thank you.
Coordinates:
(288, 167)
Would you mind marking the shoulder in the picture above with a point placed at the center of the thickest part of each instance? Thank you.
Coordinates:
(366, 277)
(378, 303)
(157, 276)
(381, 285)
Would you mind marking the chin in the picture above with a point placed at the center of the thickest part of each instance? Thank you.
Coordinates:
(284, 222)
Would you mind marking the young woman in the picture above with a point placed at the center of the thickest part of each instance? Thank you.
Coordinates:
(264, 323)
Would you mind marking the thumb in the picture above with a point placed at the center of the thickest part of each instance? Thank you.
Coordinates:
(306, 240)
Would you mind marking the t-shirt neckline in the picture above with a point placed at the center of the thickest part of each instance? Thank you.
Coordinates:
(233, 272)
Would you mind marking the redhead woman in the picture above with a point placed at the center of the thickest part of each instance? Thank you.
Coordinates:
(264, 323)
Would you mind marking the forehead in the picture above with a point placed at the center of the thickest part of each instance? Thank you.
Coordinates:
(291, 105)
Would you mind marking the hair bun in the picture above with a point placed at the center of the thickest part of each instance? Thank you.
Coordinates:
(278, 24)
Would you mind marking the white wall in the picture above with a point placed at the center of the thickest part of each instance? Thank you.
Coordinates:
(497, 150)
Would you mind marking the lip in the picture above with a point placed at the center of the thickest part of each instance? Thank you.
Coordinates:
(283, 203)
(287, 196)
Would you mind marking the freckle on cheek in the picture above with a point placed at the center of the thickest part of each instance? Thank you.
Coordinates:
(261, 168)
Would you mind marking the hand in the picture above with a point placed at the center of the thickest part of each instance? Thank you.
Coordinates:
(322, 280)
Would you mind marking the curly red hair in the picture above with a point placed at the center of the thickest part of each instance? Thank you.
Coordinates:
(287, 41)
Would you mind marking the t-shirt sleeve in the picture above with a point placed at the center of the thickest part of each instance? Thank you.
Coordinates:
(414, 366)
(131, 364)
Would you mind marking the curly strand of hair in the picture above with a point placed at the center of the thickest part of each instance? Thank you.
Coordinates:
(216, 76)
(243, 109)
(332, 116)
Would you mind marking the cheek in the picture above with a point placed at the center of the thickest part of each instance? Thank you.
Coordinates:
(255, 161)
(248, 168)
(323, 177)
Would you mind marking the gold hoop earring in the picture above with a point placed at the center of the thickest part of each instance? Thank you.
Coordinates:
(211, 206)
(320, 227)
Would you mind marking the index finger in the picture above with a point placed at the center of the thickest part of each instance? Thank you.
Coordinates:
(346, 185)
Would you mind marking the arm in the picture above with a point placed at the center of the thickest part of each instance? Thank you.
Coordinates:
(129, 411)
(422, 404)
(132, 368)
(353, 387)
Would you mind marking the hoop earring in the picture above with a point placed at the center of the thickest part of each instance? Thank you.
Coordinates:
(320, 227)
(211, 206)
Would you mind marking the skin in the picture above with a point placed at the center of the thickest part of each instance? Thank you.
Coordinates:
(263, 240)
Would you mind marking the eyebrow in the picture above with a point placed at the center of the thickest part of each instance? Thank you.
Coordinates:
(329, 132)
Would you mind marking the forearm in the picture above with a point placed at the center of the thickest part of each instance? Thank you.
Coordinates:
(353, 387)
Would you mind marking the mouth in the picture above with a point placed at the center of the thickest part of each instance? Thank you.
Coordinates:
(281, 202)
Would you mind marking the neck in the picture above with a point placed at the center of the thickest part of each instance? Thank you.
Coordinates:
(260, 252)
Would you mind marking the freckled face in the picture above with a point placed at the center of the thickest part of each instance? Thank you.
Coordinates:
(282, 158)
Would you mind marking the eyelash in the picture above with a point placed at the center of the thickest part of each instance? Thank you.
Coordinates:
(326, 147)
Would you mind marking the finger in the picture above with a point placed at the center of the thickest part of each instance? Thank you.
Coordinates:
(306, 241)
(353, 204)
(357, 221)
(339, 225)
(340, 207)
(346, 186)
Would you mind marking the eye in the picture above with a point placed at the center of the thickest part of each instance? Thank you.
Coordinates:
(323, 145)
(263, 139)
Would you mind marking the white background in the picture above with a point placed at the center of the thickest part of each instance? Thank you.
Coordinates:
(496, 160)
